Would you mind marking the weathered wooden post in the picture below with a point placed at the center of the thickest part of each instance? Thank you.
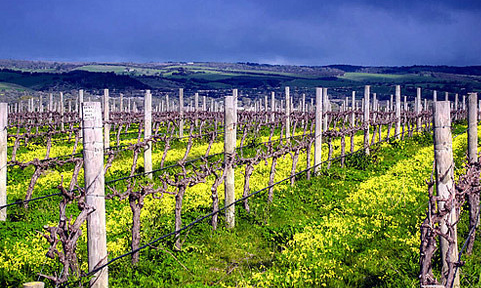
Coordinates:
(106, 119)
(273, 105)
(473, 200)
(230, 122)
(303, 105)
(196, 108)
(472, 128)
(61, 110)
(366, 119)
(148, 133)
(418, 109)
(353, 109)
(374, 105)
(318, 132)
(40, 104)
(181, 112)
(443, 156)
(95, 191)
(479, 109)
(456, 100)
(196, 102)
(325, 109)
(121, 105)
(353, 118)
(50, 102)
(288, 113)
(79, 111)
(3, 159)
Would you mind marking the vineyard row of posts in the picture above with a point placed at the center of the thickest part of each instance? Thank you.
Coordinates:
(94, 121)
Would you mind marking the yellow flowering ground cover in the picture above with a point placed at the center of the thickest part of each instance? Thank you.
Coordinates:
(371, 238)
(322, 238)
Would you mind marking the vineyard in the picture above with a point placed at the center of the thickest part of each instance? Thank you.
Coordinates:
(281, 193)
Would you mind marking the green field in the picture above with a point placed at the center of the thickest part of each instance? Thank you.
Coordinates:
(10, 86)
(393, 78)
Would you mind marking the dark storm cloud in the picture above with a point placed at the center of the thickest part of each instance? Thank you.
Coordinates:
(362, 32)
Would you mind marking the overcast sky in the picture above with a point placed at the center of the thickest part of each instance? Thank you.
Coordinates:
(357, 32)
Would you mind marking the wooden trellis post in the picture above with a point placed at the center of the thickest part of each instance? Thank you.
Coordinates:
(318, 132)
(50, 102)
(473, 158)
(196, 108)
(106, 119)
(273, 105)
(95, 191)
(3, 159)
(181, 112)
(456, 101)
(472, 127)
(418, 109)
(230, 119)
(325, 109)
(121, 102)
(148, 133)
(443, 156)
(288, 113)
(353, 109)
(61, 110)
(40, 104)
(366, 118)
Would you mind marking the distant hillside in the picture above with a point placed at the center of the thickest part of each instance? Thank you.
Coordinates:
(70, 80)
(466, 70)
(50, 75)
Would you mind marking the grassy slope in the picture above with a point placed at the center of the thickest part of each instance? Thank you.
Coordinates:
(387, 77)
(10, 86)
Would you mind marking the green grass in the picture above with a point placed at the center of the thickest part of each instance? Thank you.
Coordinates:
(393, 78)
(257, 245)
(103, 68)
(231, 258)
(11, 86)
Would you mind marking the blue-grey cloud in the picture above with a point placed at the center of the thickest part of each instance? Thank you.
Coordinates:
(364, 32)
